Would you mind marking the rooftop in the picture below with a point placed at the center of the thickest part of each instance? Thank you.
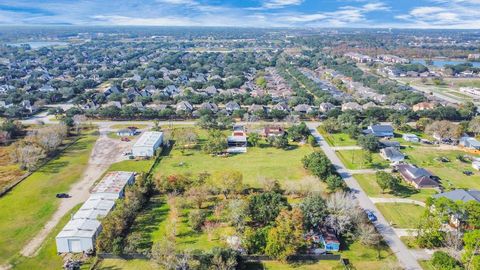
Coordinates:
(113, 182)
(80, 228)
(460, 195)
(149, 139)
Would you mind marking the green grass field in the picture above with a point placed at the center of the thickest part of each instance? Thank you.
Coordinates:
(258, 163)
(29, 205)
(121, 126)
(47, 257)
(401, 215)
(337, 139)
(369, 185)
(133, 165)
(354, 160)
(450, 172)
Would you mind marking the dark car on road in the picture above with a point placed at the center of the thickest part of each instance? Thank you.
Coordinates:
(62, 195)
(370, 215)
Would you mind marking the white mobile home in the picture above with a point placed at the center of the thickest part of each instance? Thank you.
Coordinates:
(78, 236)
(147, 144)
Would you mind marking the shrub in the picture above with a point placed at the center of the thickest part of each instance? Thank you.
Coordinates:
(196, 218)
(442, 261)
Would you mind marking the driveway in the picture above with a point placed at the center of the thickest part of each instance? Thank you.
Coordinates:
(396, 200)
(105, 152)
(406, 259)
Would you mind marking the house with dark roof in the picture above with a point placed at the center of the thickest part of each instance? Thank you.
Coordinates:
(329, 239)
(232, 106)
(417, 177)
(457, 219)
(382, 131)
(392, 154)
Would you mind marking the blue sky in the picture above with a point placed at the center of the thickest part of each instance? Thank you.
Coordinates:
(246, 13)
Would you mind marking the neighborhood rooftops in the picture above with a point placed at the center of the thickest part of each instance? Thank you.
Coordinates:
(380, 130)
(418, 177)
(460, 195)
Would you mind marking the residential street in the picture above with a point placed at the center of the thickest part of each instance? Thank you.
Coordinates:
(405, 257)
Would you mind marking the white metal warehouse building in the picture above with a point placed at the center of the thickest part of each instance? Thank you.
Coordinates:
(81, 231)
(147, 144)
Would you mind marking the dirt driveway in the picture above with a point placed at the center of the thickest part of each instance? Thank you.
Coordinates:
(105, 152)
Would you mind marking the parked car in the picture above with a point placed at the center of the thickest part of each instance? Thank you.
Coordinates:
(468, 173)
(62, 195)
(370, 215)
(125, 139)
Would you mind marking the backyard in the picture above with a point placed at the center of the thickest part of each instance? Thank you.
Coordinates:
(369, 185)
(401, 215)
(451, 171)
(29, 205)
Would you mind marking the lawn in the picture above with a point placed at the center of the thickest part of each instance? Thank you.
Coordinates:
(26, 208)
(47, 257)
(354, 160)
(450, 173)
(337, 139)
(369, 185)
(133, 165)
(258, 163)
(360, 257)
(122, 126)
(401, 215)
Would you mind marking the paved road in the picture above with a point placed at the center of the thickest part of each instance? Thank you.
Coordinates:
(406, 259)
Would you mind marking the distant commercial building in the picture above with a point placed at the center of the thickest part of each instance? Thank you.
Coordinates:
(81, 231)
(147, 144)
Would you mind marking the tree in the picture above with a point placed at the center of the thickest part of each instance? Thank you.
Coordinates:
(370, 237)
(314, 211)
(330, 125)
(442, 261)
(443, 129)
(278, 141)
(229, 182)
(237, 213)
(185, 137)
(312, 141)
(196, 218)
(422, 123)
(369, 142)
(253, 138)
(472, 208)
(224, 259)
(255, 239)
(318, 164)
(429, 233)
(470, 257)
(343, 212)
(27, 154)
(264, 208)
(50, 138)
(386, 181)
(286, 238)
(197, 195)
(335, 183)
(298, 132)
(164, 253)
(216, 142)
(474, 125)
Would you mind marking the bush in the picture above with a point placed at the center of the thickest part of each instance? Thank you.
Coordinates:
(196, 218)
(442, 261)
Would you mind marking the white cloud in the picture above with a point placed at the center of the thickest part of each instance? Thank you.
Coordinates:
(280, 3)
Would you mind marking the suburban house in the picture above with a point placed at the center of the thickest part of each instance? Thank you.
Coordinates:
(329, 239)
(469, 142)
(392, 154)
(351, 106)
(458, 195)
(390, 143)
(184, 106)
(232, 106)
(411, 138)
(417, 177)
(274, 131)
(380, 131)
(126, 132)
(80, 233)
(147, 144)
(237, 142)
(326, 107)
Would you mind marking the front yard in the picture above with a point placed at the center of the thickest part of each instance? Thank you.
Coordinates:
(401, 215)
(337, 139)
(369, 185)
(355, 160)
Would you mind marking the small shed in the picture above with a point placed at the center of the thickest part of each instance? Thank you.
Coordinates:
(411, 138)
(126, 132)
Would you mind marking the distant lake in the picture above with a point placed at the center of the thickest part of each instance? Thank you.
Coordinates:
(442, 63)
(39, 44)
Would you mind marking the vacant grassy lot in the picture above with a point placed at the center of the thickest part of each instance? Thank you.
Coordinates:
(258, 163)
(47, 257)
(29, 205)
(121, 126)
(369, 185)
(8, 170)
(450, 172)
(337, 139)
(355, 160)
(401, 215)
(133, 165)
